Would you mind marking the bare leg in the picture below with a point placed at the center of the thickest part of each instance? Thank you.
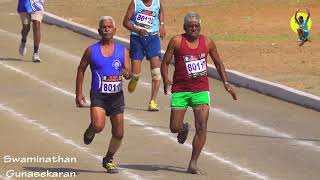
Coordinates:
(136, 70)
(136, 66)
(300, 33)
(98, 118)
(155, 63)
(36, 35)
(117, 135)
(24, 32)
(201, 113)
(176, 119)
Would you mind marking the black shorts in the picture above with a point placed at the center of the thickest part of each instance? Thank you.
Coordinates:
(113, 104)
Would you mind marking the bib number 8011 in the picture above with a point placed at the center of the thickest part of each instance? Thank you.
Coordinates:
(111, 87)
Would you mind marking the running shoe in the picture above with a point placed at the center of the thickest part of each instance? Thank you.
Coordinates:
(109, 165)
(182, 136)
(36, 58)
(132, 85)
(22, 48)
(88, 135)
(153, 106)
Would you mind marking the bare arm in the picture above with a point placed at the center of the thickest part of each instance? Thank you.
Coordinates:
(295, 16)
(85, 61)
(161, 20)
(308, 15)
(126, 70)
(127, 23)
(166, 61)
(220, 67)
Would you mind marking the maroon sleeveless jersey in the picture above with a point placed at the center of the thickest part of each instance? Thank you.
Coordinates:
(190, 74)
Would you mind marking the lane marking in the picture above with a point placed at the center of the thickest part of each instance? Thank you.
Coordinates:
(154, 130)
(265, 129)
(237, 118)
(61, 138)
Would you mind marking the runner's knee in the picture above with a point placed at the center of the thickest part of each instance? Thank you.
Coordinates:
(175, 128)
(201, 127)
(118, 134)
(97, 127)
(156, 74)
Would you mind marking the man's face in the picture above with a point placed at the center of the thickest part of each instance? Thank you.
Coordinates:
(106, 29)
(192, 29)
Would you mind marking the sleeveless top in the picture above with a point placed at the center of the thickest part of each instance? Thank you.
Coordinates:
(303, 25)
(30, 6)
(146, 17)
(190, 74)
(106, 71)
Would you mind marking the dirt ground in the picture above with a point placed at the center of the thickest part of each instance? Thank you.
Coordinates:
(252, 36)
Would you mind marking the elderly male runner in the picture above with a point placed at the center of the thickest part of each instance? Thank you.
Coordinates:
(142, 19)
(109, 61)
(190, 83)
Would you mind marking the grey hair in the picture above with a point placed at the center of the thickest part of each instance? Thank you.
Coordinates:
(192, 16)
(102, 18)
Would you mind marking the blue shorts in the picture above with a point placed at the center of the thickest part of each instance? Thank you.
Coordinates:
(141, 46)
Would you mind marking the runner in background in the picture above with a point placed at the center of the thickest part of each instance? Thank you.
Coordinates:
(30, 11)
(145, 20)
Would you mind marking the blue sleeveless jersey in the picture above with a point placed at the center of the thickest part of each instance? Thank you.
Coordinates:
(146, 17)
(30, 6)
(106, 68)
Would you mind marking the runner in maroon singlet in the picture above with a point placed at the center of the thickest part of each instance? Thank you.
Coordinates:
(190, 83)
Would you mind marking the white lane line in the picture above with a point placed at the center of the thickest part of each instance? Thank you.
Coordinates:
(59, 137)
(220, 112)
(154, 130)
(265, 129)
(50, 49)
(293, 140)
(212, 155)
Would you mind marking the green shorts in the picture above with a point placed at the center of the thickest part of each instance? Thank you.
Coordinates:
(185, 99)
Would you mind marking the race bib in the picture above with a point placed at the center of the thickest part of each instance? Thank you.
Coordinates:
(145, 19)
(111, 84)
(196, 68)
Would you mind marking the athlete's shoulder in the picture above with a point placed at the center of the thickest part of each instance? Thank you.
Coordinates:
(175, 41)
(208, 41)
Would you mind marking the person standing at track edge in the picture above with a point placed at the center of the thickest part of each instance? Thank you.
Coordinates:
(190, 83)
(30, 11)
(109, 61)
(145, 19)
